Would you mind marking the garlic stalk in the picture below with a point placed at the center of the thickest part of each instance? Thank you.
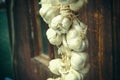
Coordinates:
(68, 33)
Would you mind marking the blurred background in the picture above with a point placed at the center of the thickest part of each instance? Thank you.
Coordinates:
(6, 69)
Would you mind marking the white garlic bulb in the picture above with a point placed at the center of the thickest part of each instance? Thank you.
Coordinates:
(76, 37)
(53, 37)
(54, 66)
(79, 60)
(48, 12)
(61, 23)
(77, 5)
(77, 44)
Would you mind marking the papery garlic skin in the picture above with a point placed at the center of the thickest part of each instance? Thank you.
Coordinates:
(48, 13)
(49, 9)
(61, 23)
(76, 39)
(54, 66)
(78, 60)
(77, 44)
(53, 37)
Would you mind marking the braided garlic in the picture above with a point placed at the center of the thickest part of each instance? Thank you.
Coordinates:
(69, 35)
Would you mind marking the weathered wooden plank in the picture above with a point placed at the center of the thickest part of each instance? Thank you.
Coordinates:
(22, 58)
(97, 15)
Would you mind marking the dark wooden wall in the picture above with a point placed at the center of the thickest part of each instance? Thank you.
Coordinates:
(97, 15)
(102, 18)
(24, 70)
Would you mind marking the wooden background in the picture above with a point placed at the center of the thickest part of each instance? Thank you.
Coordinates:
(103, 20)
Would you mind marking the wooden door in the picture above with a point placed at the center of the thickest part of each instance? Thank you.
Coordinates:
(99, 15)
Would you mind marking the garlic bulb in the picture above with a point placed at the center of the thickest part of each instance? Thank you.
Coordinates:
(77, 29)
(77, 44)
(53, 37)
(75, 6)
(48, 12)
(61, 23)
(78, 60)
(76, 37)
(54, 66)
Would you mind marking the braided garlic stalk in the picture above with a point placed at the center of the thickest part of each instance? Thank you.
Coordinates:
(69, 35)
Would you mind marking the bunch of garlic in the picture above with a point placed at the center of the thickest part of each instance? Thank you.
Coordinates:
(69, 35)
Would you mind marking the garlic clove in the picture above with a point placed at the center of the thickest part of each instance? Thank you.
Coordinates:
(54, 66)
(51, 33)
(66, 23)
(79, 60)
(72, 33)
(86, 68)
(56, 22)
(78, 26)
(53, 37)
(52, 12)
(44, 9)
(83, 46)
(61, 23)
(48, 12)
(76, 43)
